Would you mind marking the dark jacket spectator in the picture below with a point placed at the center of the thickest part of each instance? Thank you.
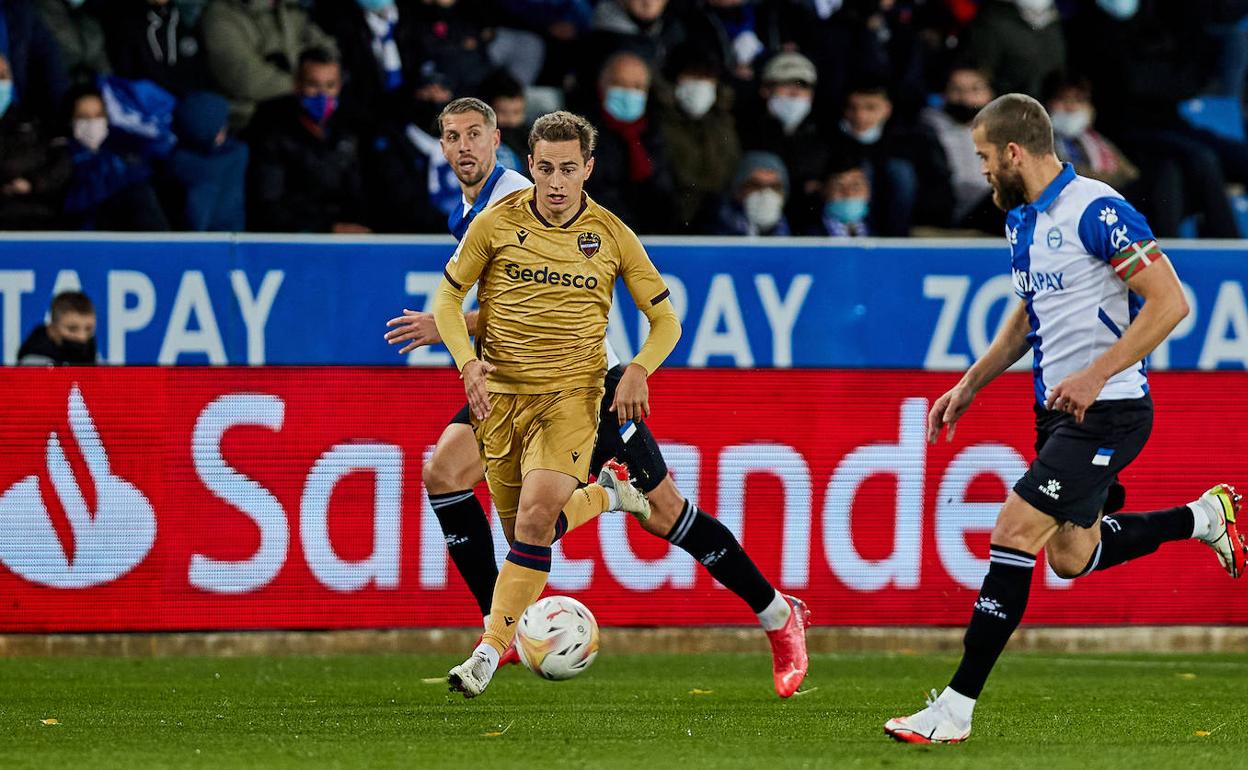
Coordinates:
(111, 187)
(868, 133)
(208, 169)
(34, 165)
(701, 138)
(1020, 43)
(39, 79)
(253, 48)
(631, 176)
(452, 41)
(966, 92)
(380, 47)
(79, 36)
(781, 121)
(305, 170)
(157, 41)
(68, 339)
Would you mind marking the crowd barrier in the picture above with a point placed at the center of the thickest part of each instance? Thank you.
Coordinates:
(789, 303)
(185, 498)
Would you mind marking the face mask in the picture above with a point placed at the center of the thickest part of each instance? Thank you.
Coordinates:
(847, 210)
(1119, 9)
(6, 95)
(376, 6)
(625, 104)
(763, 208)
(1070, 125)
(91, 132)
(319, 107)
(870, 136)
(696, 97)
(789, 110)
(961, 113)
(75, 3)
(78, 352)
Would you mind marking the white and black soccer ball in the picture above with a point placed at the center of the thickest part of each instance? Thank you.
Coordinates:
(557, 637)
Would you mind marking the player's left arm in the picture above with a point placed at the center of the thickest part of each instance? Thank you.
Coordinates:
(650, 293)
(1138, 260)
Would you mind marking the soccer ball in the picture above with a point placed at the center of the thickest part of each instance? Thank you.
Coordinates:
(557, 637)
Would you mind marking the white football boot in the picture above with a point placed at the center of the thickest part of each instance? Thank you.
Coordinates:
(1220, 505)
(614, 476)
(472, 676)
(934, 724)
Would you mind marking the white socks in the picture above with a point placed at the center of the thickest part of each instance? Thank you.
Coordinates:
(776, 614)
(1200, 519)
(613, 497)
(958, 705)
(489, 653)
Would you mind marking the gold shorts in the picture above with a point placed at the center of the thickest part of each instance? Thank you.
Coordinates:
(525, 432)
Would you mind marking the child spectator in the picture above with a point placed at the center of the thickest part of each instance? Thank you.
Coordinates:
(68, 339)
(208, 168)
(847, 202)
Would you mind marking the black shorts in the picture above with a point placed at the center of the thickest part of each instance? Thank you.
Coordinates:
(635, 445)
(1074, 477)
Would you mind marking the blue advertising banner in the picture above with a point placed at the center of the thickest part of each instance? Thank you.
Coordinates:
(744, 303)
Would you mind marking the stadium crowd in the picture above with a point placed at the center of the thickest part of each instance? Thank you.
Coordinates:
(762, 117)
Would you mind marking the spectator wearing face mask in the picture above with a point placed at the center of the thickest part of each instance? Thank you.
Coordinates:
(632, 176)
(79, 36)
(111, 187)
(967, 91)
(1020, 42)
(1158, 188)
(759, 190)
(781, 122)
(68, 339)
(701, 137)
(34, 165)
(847, 201)
(208, 169)
(866, 132)
(158, 40)
(305, 170)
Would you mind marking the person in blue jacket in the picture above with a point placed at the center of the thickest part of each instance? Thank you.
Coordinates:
(208, 168)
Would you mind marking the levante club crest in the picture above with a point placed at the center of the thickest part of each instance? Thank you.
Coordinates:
(588, 243)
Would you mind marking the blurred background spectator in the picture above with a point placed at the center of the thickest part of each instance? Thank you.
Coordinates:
(305, 177)
(847, 201)
(759, 191)
(1147, 95)
(34, 164)
(254, 47)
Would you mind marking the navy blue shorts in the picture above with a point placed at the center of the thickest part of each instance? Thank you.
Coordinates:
(1074, 477)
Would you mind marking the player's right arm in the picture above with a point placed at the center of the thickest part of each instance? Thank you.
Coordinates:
(465, 267)
(1009, 345)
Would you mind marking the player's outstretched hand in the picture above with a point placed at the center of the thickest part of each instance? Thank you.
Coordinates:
(474, 374)
(632, 395)
(947, 410)
(1076, 393)
(417, 327)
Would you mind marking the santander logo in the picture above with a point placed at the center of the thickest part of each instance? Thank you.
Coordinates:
(108, 542)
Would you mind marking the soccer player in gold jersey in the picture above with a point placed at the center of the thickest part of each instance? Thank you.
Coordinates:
(546, 261)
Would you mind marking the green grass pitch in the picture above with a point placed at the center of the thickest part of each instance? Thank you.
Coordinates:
(687, 711)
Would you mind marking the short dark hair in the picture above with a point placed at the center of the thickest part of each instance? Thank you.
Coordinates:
(1016, 118)
(868, 87)
(468, 104)
(315, 55)
(563, 126)
(71, 302)
(499, 84)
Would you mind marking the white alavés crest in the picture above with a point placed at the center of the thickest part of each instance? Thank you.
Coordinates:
(1109, 216)
(107, 544)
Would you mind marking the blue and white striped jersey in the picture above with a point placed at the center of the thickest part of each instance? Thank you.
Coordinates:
(1078, 303)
